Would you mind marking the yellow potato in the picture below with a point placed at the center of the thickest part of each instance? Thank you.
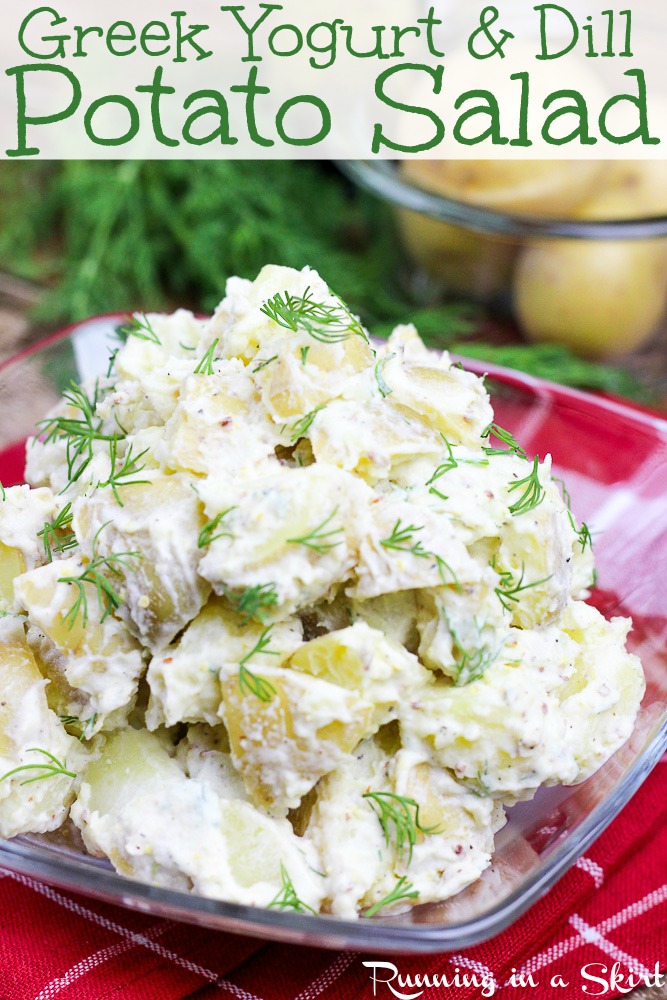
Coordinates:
(299, 729)
(161, 521)
(549, 188)
(600, 298)
(12, 564)
(630, 189)
(466, 263)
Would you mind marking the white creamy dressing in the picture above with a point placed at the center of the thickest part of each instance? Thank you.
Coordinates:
(313, 597)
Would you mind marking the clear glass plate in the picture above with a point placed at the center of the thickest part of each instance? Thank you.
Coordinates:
(614, 460)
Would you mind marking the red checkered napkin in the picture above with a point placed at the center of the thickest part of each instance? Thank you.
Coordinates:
(609, 911)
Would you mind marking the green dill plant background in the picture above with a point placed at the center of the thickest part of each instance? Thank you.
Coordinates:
(103, 236)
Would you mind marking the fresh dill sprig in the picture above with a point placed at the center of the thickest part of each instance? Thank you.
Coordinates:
(379, 378)
(79, 433)
(480, 788)
(205, 366)
(249, 682)
(58, 534)
(401, 538)
(330, 323)
(263, 364)
(583, 534)
(112, 361)
(85, 725)
(3, 493)
(107, 597)
(473, 663)
(209, 533)
(399, 815)
(567, 499)
(446, 466)
(509, 588)
(507, 438)
(251, 601)
(533, 494)
(304, 354)
(442, 566)
(287, 898)
(402, 890)
(139, 326)
(302, 426)
(453, 463)
(50, 770)
(438, 494)
(123, 476)
(316, 539)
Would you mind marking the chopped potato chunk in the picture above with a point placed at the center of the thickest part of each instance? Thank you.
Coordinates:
(160, 520)
(38, 760)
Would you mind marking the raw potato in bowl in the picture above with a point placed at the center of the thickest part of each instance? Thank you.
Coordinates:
(288, 620)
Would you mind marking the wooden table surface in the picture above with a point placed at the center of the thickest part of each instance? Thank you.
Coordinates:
(17, 331)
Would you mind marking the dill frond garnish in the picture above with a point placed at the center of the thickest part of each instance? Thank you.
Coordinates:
(382, 385)
(473, 663)
(480, 788)
(84, 725)
(442, 566)
(437, 493)
(330, 323)
(304, 354)
(249, 682)
(287, 898)
(446, 466)
(251, 601)
(57, 534)
(400, 541)
(509, 588)
(139, 326)
(123, 476)
(205, 366)
(399, 816)
(533, 494)
(108, 598)
(112, 361)
(316, 539)
(263, 364)
(3, 493)
(49, 770)
(79, 433)
(209, 533)
(512, 446)
(567, 500)
(453, 463)
(401, 538)
(583, 534)
(402, 890)
(302, 426)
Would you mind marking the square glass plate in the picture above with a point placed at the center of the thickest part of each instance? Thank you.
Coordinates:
(613, 458)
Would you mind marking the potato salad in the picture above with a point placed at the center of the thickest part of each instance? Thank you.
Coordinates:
(287, 620)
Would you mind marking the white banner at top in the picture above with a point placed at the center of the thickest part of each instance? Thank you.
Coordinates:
(299, 79)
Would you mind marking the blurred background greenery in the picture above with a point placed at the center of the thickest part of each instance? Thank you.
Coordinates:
(97, 237)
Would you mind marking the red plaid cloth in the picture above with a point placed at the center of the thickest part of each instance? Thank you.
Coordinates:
(609, 910)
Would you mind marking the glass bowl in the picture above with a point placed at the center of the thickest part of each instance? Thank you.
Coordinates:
(598, 286)
(614, 460)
